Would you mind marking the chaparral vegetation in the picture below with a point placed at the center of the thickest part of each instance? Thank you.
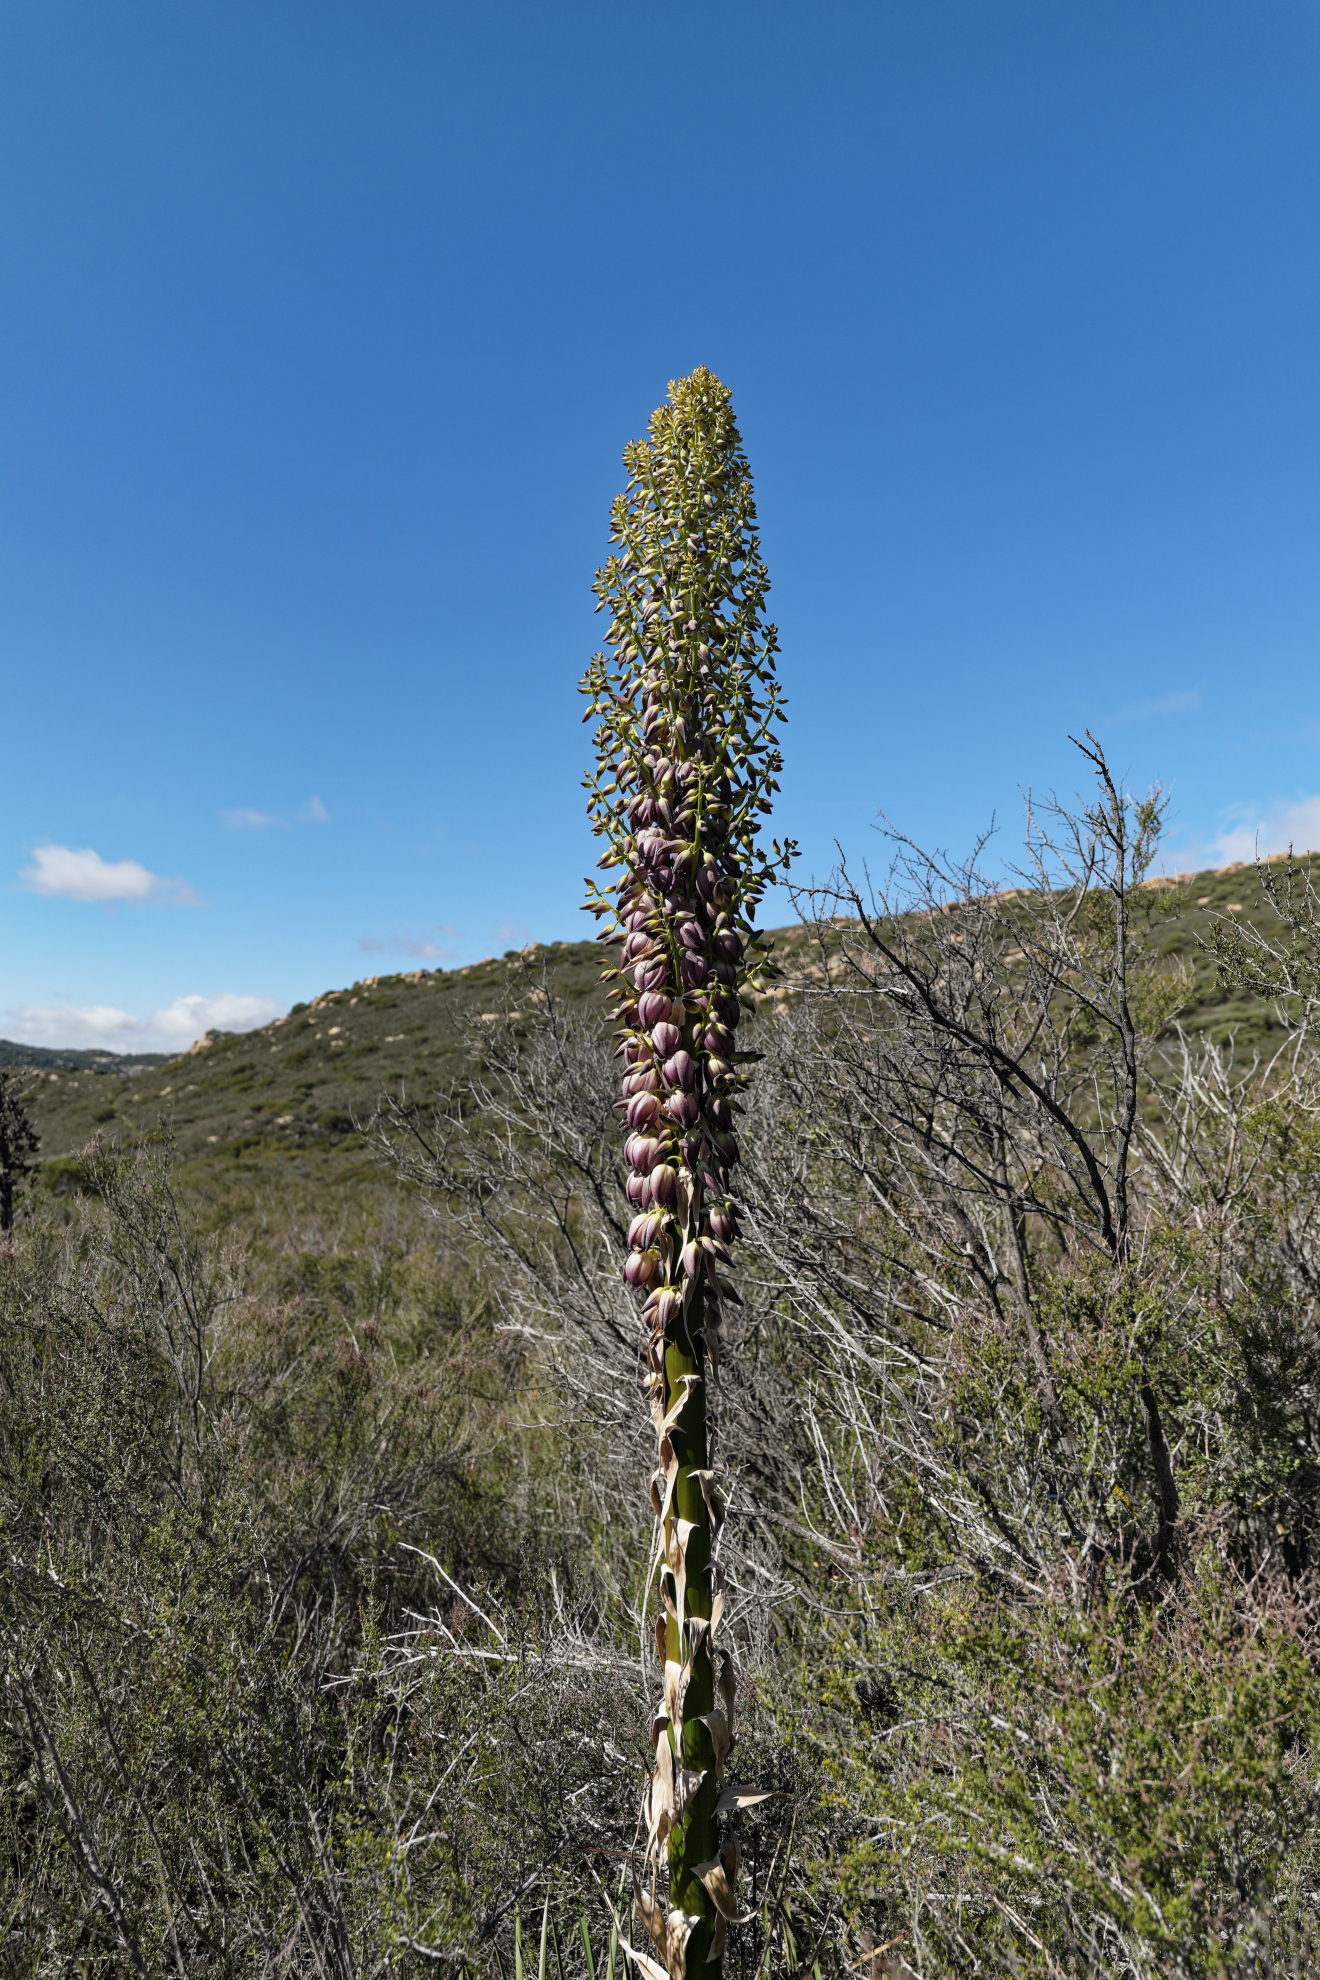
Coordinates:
(802, 1456)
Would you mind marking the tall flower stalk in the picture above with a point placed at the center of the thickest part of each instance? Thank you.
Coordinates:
(685, 699)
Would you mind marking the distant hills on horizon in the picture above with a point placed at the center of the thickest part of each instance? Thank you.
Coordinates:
(303, 1082)
(69, 1059)
(291, 1096)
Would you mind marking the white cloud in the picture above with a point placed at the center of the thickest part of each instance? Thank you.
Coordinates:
(75, 1027)
(171, 1028)
(188, 1018)
(315, 812)
(1248, 830)
(62, 872)
(248, 821)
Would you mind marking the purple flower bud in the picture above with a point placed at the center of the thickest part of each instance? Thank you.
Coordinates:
(652, 1009)
(681, 1107)
(666, 1302)
(640, 1267)
(726, 1147)
(691, 934)
(727, 1009)
(633, 1050)
(650, 974)
(665, 1038)
(707, 881)
(727, 972)
(644, 1080)
(639, 918)
(637, 944)
(641, 1151)
(638, 1189)
(681, 1071)
(663, 1183)
(691, 1260)
(644, 1230)
(642, 1110)
(728, 946)
(721, 1114)
(693, 970)
(723, 1223)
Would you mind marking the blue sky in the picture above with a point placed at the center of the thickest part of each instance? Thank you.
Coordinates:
(322, 328)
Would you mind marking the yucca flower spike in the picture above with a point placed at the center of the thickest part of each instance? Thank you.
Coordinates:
(685, 700)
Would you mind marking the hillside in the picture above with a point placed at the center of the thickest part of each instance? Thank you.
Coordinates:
(281, 1102)
(390, 1422)
(282, 1099)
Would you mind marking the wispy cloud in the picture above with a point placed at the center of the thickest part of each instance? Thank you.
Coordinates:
(1184, 702)
(419, 946)
(82, 875)
(248, 821)
(170, 1028)
(242, 819)
(1246, 829)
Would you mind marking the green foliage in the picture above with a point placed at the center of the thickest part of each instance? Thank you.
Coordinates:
(1051, 1744)
(19, 1142)
(1281, 959)
(1107, 1791)
(206, 1500)
(322, 1514)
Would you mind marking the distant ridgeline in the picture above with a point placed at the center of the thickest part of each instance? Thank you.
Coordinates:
(289, 1095)
(293, 1092)
(123, 1063)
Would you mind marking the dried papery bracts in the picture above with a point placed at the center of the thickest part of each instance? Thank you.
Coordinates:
(685, 700)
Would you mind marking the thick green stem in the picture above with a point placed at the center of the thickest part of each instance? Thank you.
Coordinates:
(693, 1838)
